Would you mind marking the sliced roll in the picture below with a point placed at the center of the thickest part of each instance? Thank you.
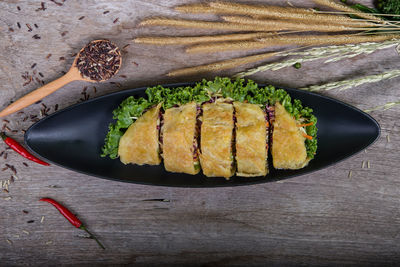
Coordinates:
(288, 143)
(251, 140)
(180, 150)
(216, 157)
(139, 145)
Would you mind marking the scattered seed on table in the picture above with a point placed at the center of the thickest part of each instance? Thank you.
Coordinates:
(61, 58)
(48, 56)
(6, 190)
(81, 18)
(36, 26)
(31, 221)
(19, 25)
(36, 36)
(25, 164)
(57, 3)
(17, 236)
(5, 155)
(11, 29)
(25, 211)
(125, 46)
(33, 65)
(388, 138)
(350, 174)
(7, 198)
(49, 242)
(116, 20)
(64, 33)
(56, 107)
(122, 76)
(368, 164)
(29, 27)
(25, 232)
(135, 63)
(19, 9)
(9, 241)
(94, 89)
(40, 74)
(363, 165)
(105, 12)
(42, 219)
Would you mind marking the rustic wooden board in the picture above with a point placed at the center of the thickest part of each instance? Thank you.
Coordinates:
(324, 218)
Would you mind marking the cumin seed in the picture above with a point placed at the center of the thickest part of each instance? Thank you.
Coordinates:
(48, 56)
(105, 12)
(29, 27)
(36, 26)
(19, 25)
(36, 36)
(81, 18)
(19, 9)
(33, 65)
(11, 29)
(116, 20)
(350, 174)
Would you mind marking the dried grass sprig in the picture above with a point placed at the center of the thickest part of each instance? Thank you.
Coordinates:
(332, 53)
(383, 107)
(184, 40)
(342, 7)
(221, 65)
(346, 84)
(280, 25)
(299, 40)
(278, 12)
(200, 24)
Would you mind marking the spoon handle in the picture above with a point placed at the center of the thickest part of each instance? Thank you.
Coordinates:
(38, 94)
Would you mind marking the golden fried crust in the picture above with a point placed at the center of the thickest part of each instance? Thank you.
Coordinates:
(216, 140)
(251, 140)
(178, 134)
(288, 146)
(139, 145)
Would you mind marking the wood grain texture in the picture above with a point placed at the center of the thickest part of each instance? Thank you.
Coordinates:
(323, 218)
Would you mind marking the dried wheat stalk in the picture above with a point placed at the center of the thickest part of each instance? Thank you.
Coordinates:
(347, 9)
(200, 24)
(196, 9)
(300, 40)
(184, 40)
(280, 25)
(221, 65)
(281, 13)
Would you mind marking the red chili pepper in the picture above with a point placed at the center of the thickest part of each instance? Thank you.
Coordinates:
(71, 218)
(21, 150)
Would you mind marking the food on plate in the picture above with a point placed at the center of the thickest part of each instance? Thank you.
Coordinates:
(179, 142)
(251, 141)
(139, 145)
(216, 157)
(220, 127)
(288, 142)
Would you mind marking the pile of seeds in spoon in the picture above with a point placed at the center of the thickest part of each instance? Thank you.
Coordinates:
(99, 60)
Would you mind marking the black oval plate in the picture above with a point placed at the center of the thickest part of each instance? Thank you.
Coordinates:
(73, 138)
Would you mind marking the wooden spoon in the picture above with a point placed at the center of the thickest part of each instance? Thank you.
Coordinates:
(72, 75)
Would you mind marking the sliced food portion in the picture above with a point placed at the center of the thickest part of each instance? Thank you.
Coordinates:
(288, 142)
(251, 140)
(216, 156)
(180, 150)
(139, 145)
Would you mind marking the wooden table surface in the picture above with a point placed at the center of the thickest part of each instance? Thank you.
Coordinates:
(324, 218)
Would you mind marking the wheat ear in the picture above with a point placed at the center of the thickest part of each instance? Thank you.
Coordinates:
(221, 65)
